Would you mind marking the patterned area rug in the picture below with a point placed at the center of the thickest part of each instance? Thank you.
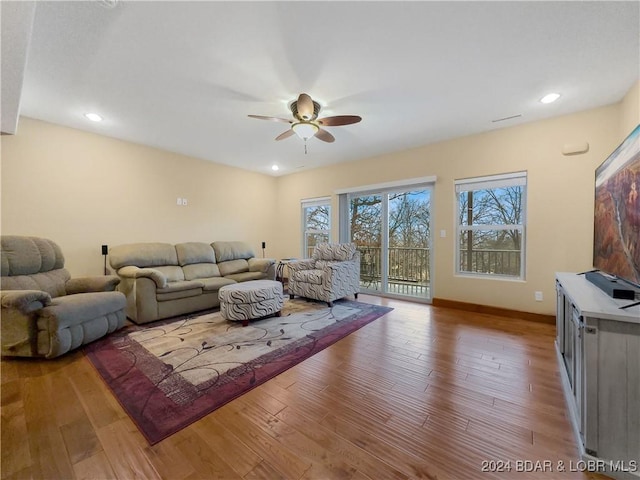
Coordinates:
(169, 374)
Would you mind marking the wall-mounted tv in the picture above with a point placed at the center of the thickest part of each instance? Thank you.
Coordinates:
(616, 240)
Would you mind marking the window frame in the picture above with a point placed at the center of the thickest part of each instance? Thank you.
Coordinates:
(487, 183)
(308, 203)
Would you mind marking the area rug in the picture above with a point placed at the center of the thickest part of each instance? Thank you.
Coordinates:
(168, 374)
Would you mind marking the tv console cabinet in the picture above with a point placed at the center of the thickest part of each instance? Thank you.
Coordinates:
(598, 347)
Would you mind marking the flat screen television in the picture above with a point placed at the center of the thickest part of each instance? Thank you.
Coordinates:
(616, 239)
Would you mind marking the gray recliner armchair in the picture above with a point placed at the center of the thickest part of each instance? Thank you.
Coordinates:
(46, 313)
(332, 272)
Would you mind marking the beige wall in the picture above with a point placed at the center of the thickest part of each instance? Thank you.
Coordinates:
(83, 190)
(560, 197)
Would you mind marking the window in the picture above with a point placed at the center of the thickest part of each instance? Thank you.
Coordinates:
(491, 217)
(316, 224)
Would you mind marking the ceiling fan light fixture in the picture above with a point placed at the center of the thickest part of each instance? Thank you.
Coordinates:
(305, 130)
(306, 124)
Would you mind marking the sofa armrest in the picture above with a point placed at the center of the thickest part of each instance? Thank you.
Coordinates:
(105, 283)
(260, 264)
(24, 300)
(136, 272)
(297, 265)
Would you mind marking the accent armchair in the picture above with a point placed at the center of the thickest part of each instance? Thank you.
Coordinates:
(332, 272)
(46, 313)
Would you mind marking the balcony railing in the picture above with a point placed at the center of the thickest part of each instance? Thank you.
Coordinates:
(497, 262)
(405, 264)
(409, 267)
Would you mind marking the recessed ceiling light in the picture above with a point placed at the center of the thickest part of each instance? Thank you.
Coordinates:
(549, 98)
(94, 117)
(275, 168)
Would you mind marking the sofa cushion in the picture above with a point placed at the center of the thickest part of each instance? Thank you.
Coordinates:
(52, 282)
(232, 251)
(215, 283)
(195, 252)
(198, 260)
(309, 276)
(29, 255)
(32, 263)
(246, 276)
(200, 270)
(233, 266)
(76, 309)
(75, 320)
(181, 289)
(143, 255)
(173, 273)
(334, 251)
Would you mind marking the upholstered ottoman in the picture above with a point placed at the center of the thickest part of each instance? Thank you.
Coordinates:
(250, 300)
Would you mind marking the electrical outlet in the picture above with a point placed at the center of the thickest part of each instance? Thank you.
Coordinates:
(443, 233)
(538, 296)
(179, 201)
(184, 202)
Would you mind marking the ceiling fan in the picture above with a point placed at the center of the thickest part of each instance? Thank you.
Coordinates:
(306, 123)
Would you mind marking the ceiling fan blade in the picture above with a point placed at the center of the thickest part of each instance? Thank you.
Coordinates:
(273, 119)
(305, 107)
(284, 135)
(325, 136)
(339, 120)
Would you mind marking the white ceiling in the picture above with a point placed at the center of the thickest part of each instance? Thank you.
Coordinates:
(183, 76)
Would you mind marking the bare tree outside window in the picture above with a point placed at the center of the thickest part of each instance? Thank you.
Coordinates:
(409, 236)
(365, 225)
(316, 224)
(491, 228)
(365, 220)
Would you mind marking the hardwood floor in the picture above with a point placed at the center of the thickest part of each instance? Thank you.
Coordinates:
(423, 392)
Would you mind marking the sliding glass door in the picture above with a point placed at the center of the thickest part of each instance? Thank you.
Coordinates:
(392, 229)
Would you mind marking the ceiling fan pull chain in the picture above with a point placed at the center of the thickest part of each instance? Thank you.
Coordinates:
(305, 146)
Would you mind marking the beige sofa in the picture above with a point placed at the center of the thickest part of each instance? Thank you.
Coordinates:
(161, 280)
